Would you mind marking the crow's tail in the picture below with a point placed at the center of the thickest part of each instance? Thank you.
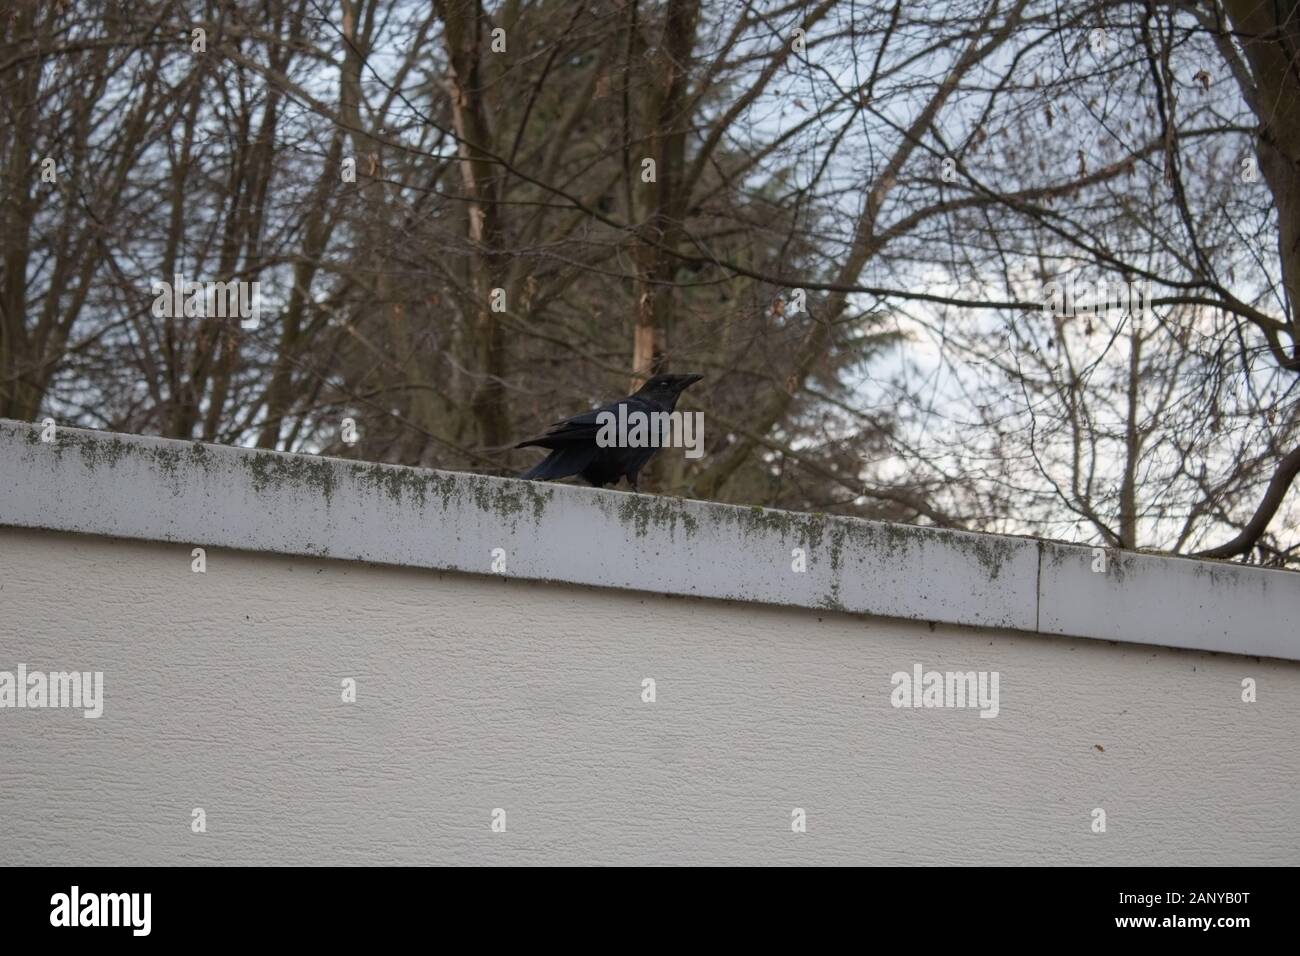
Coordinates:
(561, 463)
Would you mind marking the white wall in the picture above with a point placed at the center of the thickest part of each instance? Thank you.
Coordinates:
(223, 692)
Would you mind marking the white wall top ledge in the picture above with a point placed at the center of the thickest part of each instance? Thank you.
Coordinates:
(202, 495)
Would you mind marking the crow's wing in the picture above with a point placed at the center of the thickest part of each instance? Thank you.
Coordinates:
(582, 429)
(562, 462)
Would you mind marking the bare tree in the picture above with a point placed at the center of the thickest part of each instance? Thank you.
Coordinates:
(467, 218)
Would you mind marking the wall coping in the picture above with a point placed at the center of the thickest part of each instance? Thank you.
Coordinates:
(218, 496)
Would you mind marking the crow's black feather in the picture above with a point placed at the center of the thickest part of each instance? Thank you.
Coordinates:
(573, 441)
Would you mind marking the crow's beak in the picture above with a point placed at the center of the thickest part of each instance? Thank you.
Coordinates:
(689, 380)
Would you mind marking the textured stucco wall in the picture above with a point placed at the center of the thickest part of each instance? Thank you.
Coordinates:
(222, 691)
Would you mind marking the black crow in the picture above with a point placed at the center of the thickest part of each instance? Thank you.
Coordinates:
(574, 450)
